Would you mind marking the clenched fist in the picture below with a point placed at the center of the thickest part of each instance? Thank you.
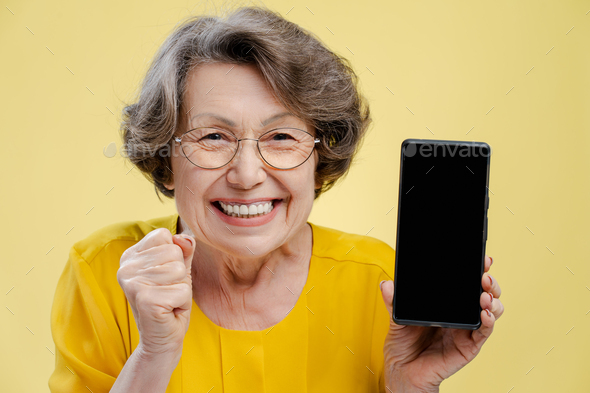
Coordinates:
(155, 275)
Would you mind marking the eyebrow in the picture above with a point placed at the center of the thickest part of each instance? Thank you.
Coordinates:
(233, 124)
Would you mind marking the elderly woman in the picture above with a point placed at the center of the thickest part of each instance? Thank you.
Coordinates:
(244, 121)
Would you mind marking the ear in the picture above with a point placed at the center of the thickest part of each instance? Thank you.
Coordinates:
(318, 185)
(169, 186)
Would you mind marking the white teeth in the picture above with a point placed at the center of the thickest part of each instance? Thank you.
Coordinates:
(246, 210)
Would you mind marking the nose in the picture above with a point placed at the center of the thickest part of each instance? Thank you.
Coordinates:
(247, 169)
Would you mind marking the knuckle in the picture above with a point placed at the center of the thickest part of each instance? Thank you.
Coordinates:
(123, 274)
(178, 270)
(173, 252)
(186, 290)
(176, 252)
(131, 288)
(143, 299)
(124, 255)
(128, 270)
(127, 255)
(161, 233)
(120, 278)
(499, 306)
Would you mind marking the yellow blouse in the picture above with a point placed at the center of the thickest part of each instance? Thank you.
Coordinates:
(331, 341)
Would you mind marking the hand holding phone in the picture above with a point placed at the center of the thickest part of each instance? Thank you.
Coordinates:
(438, 289)
(419, 358)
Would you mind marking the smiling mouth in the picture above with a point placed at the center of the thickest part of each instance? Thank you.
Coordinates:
(235, 209)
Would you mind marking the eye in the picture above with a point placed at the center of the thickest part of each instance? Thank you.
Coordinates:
(214, 136)
(281, 137)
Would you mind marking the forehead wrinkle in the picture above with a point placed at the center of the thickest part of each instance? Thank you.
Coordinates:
(231, 123)
(225, 120)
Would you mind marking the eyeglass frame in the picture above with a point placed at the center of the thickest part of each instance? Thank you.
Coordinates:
(315, 140)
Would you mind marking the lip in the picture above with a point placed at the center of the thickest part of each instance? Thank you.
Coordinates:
(247, 222)
(244, 201)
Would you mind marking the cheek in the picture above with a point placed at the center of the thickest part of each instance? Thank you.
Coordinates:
(304, 186)
(182, 171)
(316, 157)
(176, 163)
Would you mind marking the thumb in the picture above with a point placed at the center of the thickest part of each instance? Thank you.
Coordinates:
(387, 293)
(187, 245)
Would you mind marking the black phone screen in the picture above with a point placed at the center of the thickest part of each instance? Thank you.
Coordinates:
(441, 233)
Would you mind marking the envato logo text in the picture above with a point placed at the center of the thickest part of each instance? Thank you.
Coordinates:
(446, 149)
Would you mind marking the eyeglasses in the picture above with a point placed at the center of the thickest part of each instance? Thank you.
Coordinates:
(212, 148)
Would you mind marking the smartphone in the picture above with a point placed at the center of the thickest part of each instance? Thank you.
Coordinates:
(441, 233)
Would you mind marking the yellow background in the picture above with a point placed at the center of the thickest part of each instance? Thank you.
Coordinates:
(448, 66)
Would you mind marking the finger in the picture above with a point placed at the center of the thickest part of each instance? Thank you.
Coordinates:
(157, 237)
(187, 245)
(487, 327)
(170, 297)
(488, 263)
(169, 273)
(387, 294)
(493, 304)
(181, 297)
(158, 255)
(486, 300)
(497, 308)
(489, 284)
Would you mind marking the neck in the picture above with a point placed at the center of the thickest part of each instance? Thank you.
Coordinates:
(238, 291)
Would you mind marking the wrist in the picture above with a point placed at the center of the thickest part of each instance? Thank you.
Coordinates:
(162, 357)
(399, 382)
(146, 371)
(406, 389)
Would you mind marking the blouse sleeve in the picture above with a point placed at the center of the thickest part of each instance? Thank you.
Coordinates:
(88, 329)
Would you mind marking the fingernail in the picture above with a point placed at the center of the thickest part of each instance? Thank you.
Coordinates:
(381, 283)
(488, 311)
(491, 297)
(492, 261)
(491, 282)
(190, 239)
